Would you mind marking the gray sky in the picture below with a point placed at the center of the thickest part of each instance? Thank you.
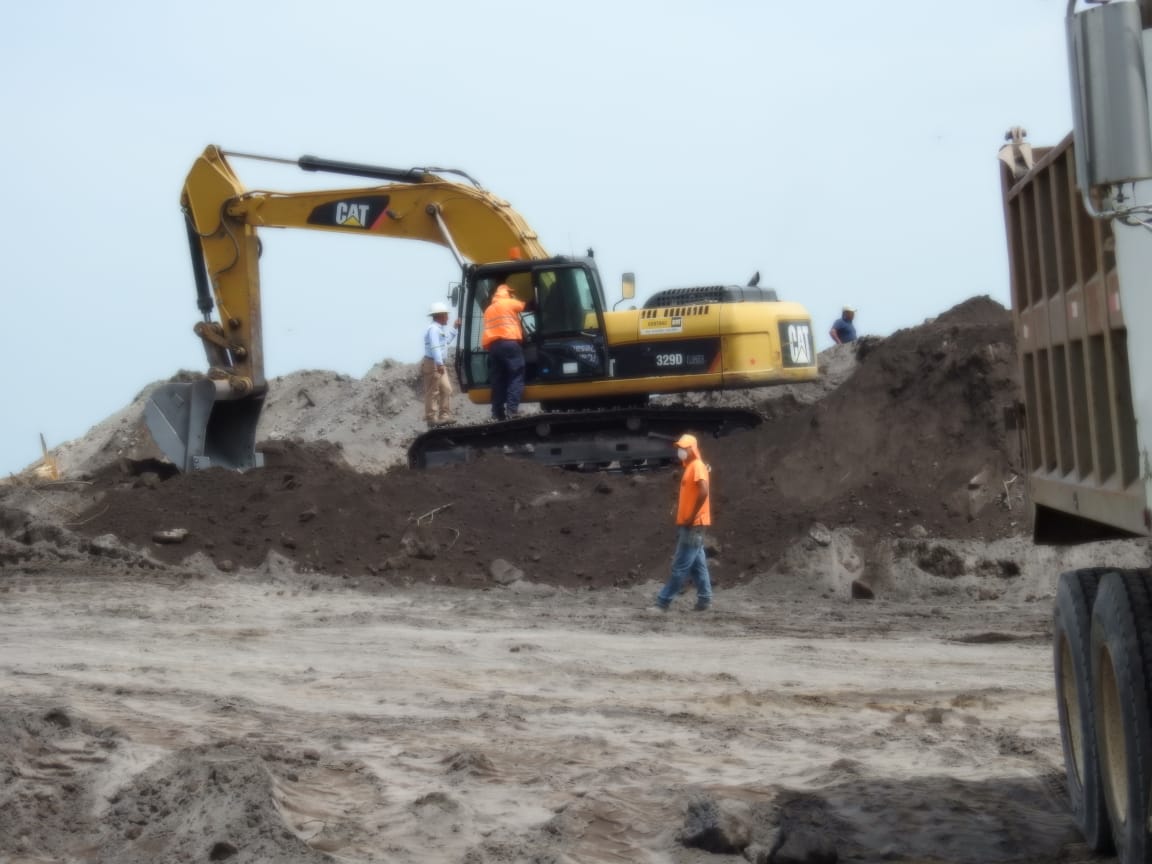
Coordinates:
(845, 150)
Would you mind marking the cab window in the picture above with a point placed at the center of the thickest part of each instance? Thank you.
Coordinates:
(566, 302)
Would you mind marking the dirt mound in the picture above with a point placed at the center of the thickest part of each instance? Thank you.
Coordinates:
(915, 437)
(224, 801)
(373, 419)
(911, 444)
(445, 525)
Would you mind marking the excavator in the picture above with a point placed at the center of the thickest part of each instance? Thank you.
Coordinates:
(592, 369)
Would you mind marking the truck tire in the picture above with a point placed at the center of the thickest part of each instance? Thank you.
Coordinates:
(1122, 685)
(1072, 662)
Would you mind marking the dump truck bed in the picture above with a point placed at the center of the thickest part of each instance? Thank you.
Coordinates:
(1083, 452)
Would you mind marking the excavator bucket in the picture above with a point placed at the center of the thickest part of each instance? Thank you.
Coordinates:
(196, 430)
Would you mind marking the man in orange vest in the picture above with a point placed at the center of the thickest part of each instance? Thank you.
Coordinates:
(503, 339)
(693, 515)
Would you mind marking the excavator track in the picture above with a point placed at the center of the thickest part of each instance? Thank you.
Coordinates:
(628, 439)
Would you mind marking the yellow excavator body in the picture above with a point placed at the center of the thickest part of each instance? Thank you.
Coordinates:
(580, 353)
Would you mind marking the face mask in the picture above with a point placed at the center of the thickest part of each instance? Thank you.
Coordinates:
(682, 453)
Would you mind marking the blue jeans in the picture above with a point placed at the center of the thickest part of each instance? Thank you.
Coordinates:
(506, 375)
(689, 561)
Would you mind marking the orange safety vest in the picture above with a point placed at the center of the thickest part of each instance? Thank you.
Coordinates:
(502, 318)
(694, 471)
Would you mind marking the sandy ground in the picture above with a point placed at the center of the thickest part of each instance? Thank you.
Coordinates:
(177, 713)
(172, 716)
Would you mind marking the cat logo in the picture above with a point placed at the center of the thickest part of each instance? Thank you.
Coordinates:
(363, 212)
(351, 214)
(799, 344)
(796, 340)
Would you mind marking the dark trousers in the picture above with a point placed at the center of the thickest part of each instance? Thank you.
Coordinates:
(506, 373)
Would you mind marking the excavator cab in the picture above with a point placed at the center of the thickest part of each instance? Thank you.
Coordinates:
(563, 321)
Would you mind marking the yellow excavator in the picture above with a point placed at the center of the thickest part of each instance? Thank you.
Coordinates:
(591, 369)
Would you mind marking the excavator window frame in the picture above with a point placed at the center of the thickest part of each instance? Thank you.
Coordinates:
(481, 281)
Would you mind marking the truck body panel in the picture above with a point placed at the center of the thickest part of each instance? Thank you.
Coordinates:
(1086, 385)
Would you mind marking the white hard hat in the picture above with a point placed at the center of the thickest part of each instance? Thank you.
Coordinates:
(437, 308)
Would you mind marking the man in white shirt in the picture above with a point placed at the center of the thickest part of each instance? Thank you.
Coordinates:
(433, 369)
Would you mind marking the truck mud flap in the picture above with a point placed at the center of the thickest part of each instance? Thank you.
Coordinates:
(196, 430)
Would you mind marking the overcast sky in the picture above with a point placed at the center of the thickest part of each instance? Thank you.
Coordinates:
(845, 150)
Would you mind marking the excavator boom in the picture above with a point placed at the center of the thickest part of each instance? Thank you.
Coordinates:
(223, 218)
(213, 422)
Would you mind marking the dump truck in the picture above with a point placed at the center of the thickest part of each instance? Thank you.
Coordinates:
(1078, 217)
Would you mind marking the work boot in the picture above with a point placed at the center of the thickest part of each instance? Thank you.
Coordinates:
(702, 606)
(656, 608)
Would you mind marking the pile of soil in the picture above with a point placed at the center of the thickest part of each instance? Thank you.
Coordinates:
(912, 444)
(916, 437)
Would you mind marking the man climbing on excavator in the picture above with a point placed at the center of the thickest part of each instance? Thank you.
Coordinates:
(503, 339)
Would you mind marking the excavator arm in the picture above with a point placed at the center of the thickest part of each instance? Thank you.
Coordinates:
(223, 218)
(213, 421)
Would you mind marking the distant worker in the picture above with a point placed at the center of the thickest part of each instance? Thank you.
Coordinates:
(503, 339)
(693, 515)
(843, 330)
(433, 369)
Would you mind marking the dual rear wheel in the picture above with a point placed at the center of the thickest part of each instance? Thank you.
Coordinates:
(1102, 652)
